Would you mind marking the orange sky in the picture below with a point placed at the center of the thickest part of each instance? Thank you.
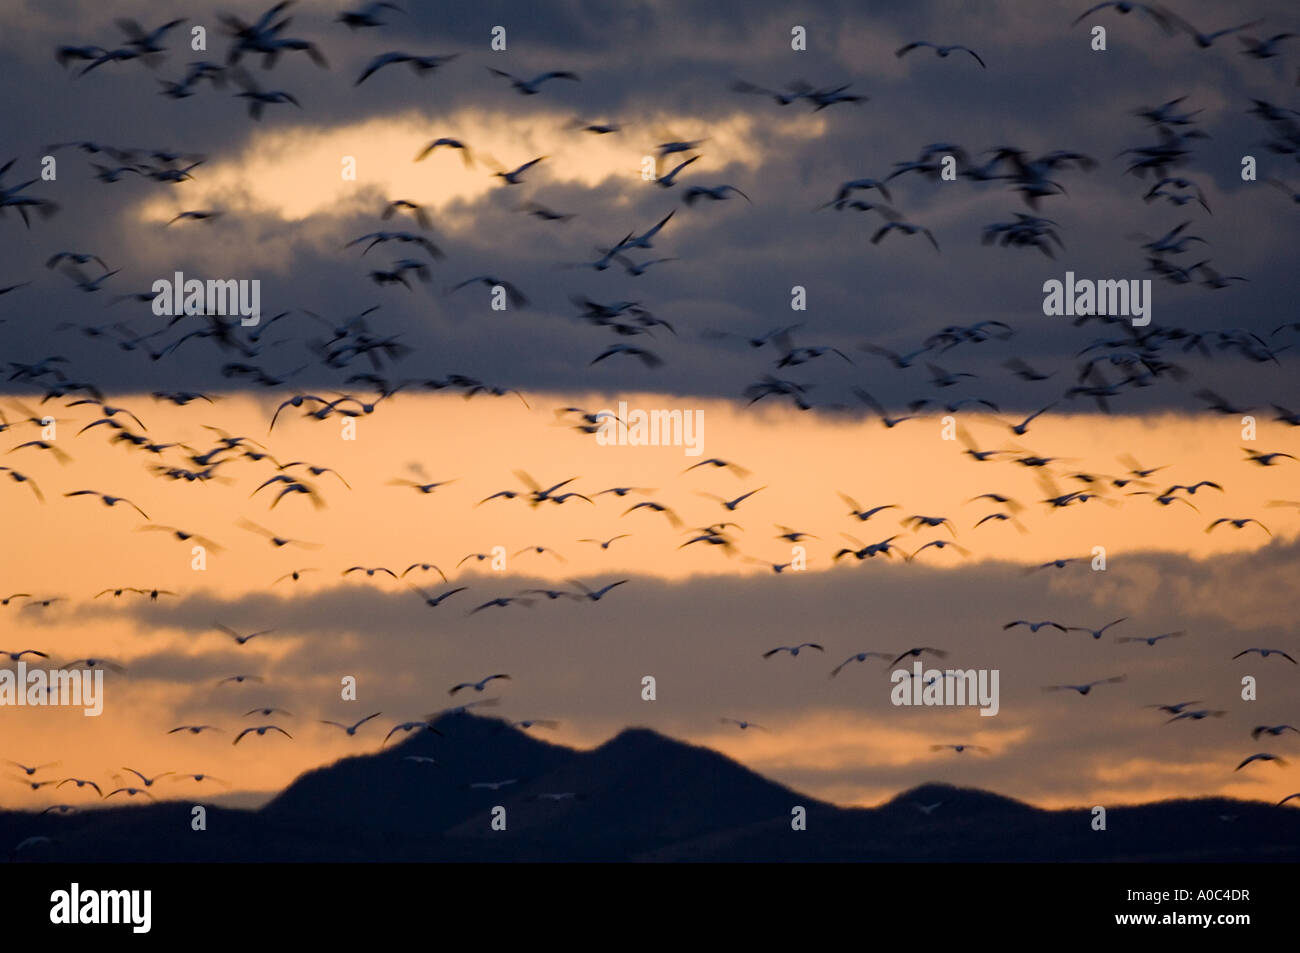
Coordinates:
(830, 748)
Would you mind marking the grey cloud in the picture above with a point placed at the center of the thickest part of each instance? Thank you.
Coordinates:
(583, 663)
(1044, 89)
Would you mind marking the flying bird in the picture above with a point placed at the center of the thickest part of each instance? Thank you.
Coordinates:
(1034, 626)
(241, 639)
(1088, 686)
(595, 595)
(366, 16)
(906, 228)
(108, 500)
(1265, 653)
(1262, 756)
(450, 143)
(351, 729)
(533, 86)
(1149, 639)
(1156, 14)
(940, 51)
(148, 782)
(420, 65)
(1274, 730)
(793, 649)
(1238, 524)
(31, 770)
(477, 686)
(408, 727)
(434, 601)
(81, 784)
(260, 731)
(1097, 633)
(859, 657)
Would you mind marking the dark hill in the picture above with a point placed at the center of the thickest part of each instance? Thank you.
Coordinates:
(639, 796)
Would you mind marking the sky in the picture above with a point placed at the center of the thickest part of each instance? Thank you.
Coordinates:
(698, 617)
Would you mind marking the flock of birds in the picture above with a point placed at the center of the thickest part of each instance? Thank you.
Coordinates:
(364, 359)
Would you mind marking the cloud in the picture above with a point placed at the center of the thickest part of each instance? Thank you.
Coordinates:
(583, 664)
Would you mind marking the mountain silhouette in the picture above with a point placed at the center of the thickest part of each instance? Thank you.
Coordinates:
(638, 796)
